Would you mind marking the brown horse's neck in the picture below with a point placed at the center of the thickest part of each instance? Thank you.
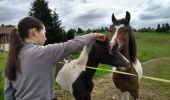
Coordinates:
(125, 52)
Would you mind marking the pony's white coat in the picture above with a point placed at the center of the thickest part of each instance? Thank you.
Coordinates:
(71, 70)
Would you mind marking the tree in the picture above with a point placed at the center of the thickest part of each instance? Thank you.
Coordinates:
(88, 31)
(54, 32)
(2, 25)
(41, 11)
(167, 27)
(163, 28)
(134, 30)
(79, 31)
(59, 35)
(102, 30)
(158, 28)
(70, 34)
(106, 29)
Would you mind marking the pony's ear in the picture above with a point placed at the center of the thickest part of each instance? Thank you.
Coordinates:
(127, 17)
(114, 20)
(132, 48)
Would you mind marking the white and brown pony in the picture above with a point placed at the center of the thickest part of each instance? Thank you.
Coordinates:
(124, 38)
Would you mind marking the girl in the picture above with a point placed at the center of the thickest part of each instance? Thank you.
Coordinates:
(29, 68)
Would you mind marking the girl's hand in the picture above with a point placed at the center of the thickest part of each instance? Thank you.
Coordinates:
(100, 37)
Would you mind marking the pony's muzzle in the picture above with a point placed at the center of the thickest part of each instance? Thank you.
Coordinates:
(113, 49)
(112, 44)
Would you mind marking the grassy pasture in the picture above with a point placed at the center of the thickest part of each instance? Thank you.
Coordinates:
(150, 45)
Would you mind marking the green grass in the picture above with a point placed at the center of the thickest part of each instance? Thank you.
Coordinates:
(150, 45)
(159, 69)
(2, 64)
(2, 59)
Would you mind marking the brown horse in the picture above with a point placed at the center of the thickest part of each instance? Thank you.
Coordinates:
(124, 38)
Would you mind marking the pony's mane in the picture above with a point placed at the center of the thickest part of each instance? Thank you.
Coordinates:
(132, 47)
(84, 54)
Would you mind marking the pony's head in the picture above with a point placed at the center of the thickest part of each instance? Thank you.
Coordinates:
(100, 54)
(123, 36)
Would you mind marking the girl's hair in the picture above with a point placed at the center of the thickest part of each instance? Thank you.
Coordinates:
(16, 40)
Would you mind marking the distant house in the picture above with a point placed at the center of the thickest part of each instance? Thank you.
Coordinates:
(4, 37)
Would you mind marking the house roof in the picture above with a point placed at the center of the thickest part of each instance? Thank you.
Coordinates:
(5, 30)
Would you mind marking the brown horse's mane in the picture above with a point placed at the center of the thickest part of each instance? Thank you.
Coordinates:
(132, 47)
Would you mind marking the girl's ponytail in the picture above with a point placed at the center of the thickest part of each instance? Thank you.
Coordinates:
(13, 63)
(16, 40)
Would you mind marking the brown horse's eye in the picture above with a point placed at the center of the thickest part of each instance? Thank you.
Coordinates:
(126, 30)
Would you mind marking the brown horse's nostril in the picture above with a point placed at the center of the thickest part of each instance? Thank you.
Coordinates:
(115, 47)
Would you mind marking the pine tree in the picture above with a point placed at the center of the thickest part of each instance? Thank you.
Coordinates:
(2, 25)
(163, 28)
(166, 27)
(54, 32)
(71, 33)
(102, 30)
(106, 29)
(59, 33)
(80, 31)
(41, 11)
(158, 28)
(88, 31)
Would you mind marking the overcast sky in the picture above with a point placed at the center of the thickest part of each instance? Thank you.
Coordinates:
(92, 13)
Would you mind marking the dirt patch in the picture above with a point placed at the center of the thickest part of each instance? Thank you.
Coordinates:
(104, 88)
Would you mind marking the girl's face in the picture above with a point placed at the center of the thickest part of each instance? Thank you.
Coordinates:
(40, 36)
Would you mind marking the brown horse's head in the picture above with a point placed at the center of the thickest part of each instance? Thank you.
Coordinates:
(123, 36)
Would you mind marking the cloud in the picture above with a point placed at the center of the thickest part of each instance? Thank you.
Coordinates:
(157, 13)
(12, 13)
(92, 13)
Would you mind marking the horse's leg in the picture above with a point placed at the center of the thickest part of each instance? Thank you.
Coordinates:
(78, 94)
(79, 97)
(88, 96)
(90, 86)
(63, 92)
(121, 95)
(135, 94)
(126, 95)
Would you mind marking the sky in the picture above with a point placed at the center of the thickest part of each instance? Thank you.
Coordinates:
(92, 13)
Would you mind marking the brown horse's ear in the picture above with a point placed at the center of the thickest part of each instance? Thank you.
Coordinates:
(127, 17)
(132, 48)
(114, 20)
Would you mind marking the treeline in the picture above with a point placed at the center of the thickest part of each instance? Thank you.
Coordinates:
(164, 28)
(72, 32)
(9, 25)
(161, 28)
(149, 29)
